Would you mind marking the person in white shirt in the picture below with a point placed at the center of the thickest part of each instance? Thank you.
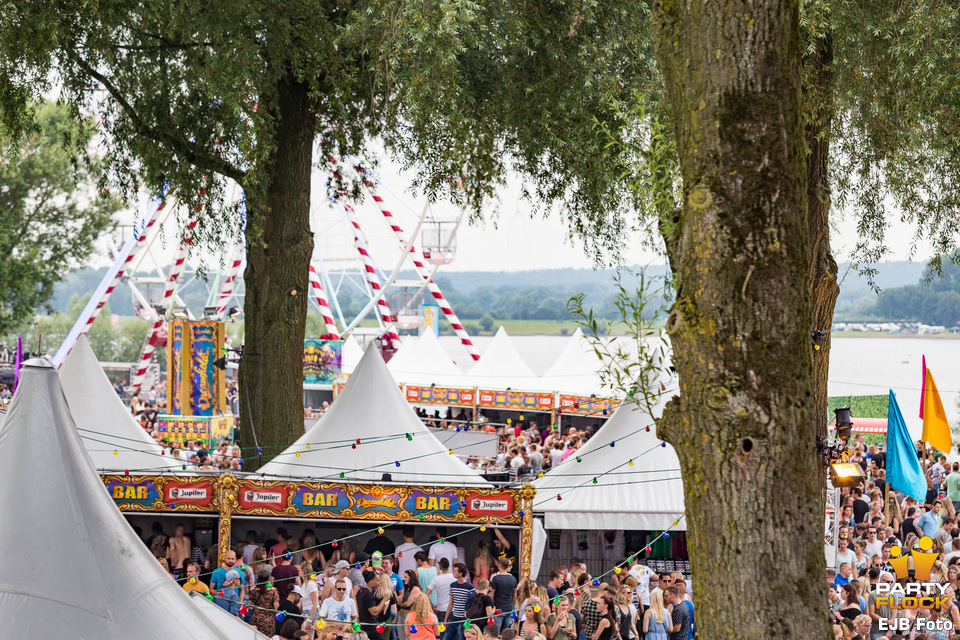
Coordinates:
(442, 549)
(338, 606)
(872, 546)
(406, 552)
(642, 573)
(441, 584)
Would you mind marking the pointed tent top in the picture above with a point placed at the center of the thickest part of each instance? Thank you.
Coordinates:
(104, 422)
(501, 366)
(371, 408)
(647, 495)
(112, 588)
(424, 363)
(576, 369)
(351, 354)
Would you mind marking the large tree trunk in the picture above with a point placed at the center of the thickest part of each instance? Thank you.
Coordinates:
(743, 424)
(279, 246)
(824, 287)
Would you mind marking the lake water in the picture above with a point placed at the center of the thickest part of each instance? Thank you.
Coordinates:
(858, 366)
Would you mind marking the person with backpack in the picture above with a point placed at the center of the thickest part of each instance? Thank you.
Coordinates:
(480, 606)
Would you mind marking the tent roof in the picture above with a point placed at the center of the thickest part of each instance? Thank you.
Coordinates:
(424, 362)
(371, 408)
(230, 626)
(112, 588)
(104, 423)
(350, 355)
(501, 366)
(576, 369)
(647, 495)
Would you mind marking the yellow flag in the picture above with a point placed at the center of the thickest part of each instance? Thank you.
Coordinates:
(936, 429)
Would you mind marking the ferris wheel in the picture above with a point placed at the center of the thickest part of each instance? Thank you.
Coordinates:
(361, 251)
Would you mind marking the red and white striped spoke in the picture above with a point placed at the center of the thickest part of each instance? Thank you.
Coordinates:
(317, 289)
(134, 253)
(421, 269)
(173, 275)
(233, 270)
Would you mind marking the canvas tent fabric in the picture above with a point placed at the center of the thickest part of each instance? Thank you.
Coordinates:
(647, 495)
(104, 423)
(425, 362)
(69, 561)
(371, 408)
(232, 627)
(576, 369)
(501, 366)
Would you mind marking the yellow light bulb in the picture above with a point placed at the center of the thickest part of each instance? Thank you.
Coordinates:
(308, 445)
(451, 451)
(114, 452)
(616, 570)
(536, 608)
(313, 576)
(380, 530)
(193, 581)
(483, 528)
(298, 454)
(441, 628)
(630, 464)
(320, 624)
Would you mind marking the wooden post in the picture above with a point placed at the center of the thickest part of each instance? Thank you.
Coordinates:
(527, 492)
(227, 496)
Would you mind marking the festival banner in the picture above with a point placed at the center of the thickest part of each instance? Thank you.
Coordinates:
(176, 492)
(456, 397)
(517, 400)
(484, 504)
(133, 491)
(203, 379)
(437, 503)
(175, 368)
(327, 498)
(322, 361)
(380, 501)
(587, 405)
(430, 319)
(262, 500)
(162, 493)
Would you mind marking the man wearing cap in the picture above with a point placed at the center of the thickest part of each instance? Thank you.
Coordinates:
(342, 569)
(356, 572)
(290, 606)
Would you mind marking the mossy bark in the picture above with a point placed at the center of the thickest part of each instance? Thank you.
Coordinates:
(743, 425)
(279, 246)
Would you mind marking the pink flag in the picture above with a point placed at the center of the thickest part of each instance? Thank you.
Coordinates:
(923, 386)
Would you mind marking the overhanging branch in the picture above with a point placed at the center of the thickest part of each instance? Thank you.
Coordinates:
(183, 147)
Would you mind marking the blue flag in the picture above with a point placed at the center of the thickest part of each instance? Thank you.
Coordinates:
(903, 468)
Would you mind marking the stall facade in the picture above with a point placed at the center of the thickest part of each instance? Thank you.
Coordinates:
(228, 495)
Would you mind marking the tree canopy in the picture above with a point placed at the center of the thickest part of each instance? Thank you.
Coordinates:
(51, 215)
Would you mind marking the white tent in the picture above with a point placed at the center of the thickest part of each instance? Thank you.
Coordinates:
(233, 628)
(371, 408)
(69, 560)
(425, 362)
(350, 355)
(646, 495)
(501, 367)
(576, 369)
(104, 423)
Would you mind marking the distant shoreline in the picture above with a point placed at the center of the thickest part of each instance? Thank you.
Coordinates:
(883, 334)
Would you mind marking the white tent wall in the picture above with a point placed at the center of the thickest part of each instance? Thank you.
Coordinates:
(101, 583)
(371, 408)
(501, 366)
(423, 361)
(104, 422)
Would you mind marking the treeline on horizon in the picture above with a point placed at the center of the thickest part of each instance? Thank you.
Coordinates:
(934, 300)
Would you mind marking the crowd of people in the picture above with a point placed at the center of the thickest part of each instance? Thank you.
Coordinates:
(875, 521)
(292, 588)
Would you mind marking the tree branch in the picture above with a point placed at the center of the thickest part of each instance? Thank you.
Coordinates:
(183, 147)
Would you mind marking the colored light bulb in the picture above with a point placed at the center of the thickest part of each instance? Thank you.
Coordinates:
(114, 452)
(522, 513)
(243, 567)
(630, 463)
(356, 626)
(509, 421)
(358, 440)
(489, 620)
(127, 472)
(220, 593)
(308, 445)
(320, 623)
(594, 481)
(413, 629)
(540, 475)
(648, 429)
(183, 467)
(613, 443)
(287, 556)
(193, 581)
(521, 416)
(617, 570)
(208, 596)
(398, 463)
(536, 608)
(559, 497)
(341, 475)
(596, 583)
(483, 527)
(381, 628)
(451, 451)
(556, 601)
(353, 446)
(498, 612)
(513, 615)
(313, 576)
(441, 627)
(335, 543)
(259, 450)
(380, 530)
(604, 412)
(421, 517)
(647, 549)
(409, 437)
(576, 592)
(676, 522)
(269, 585)
(666, 535)
(243, 610)
(466, 624)
(281, 616)
(579, 459)
(399, 554)
(663, 444)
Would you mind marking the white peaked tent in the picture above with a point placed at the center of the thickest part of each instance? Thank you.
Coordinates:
(350, 354)
(576, 369)
(501, 366)
(424, 362)
(647, 495)
(54, 506)
(232, 627)
(104, 423)
(371, 408)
